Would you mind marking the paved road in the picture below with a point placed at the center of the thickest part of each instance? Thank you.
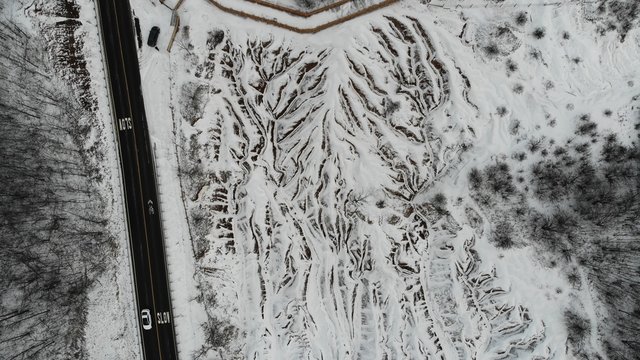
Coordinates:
(145, 233)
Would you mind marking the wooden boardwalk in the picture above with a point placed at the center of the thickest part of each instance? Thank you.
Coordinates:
(302, 14)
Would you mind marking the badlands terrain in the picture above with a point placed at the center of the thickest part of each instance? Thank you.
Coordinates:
(445, 179)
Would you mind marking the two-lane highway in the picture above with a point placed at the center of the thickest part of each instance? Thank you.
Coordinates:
(147, 249)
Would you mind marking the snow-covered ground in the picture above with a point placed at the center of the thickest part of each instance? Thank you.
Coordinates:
(157, 88)
(318, 184)
(86, 297)
(395, 187)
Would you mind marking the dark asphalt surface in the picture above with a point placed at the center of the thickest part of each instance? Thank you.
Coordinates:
(147, 249)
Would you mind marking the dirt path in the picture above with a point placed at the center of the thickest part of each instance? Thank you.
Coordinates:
(302, 14)
(297, 12)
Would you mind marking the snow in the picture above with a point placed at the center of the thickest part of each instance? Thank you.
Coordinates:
(157, 85)
(112, 330)
(307, 228)
(290, 206)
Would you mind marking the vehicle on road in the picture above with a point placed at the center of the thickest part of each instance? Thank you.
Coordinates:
(138, 178)
(147, 321)
(153, 36)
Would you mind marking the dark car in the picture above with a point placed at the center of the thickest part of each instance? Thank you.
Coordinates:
(153, 36)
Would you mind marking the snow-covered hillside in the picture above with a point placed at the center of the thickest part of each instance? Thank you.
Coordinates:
(326, 180)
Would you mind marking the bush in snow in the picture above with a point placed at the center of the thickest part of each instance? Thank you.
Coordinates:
(214, 38)
(308, 4)
(475, 179)
(499, 179)
(587, 128)
(518, 88)
(439, 202)
(521, 18)
(578, 328)
(511, 67)
(539, 33)
(502, 236)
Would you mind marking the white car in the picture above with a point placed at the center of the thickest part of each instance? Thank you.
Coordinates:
(146, 319)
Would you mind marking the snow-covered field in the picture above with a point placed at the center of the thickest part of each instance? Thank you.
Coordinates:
(325, 180)
(435, 180)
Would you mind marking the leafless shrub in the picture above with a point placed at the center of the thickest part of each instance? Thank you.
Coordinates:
(499, 179)
(521, 18)
(587, 128)
(475, 179)
(578, 328)
(518, 88)
(519, 156)
(214, 38)
(539, 33)
(492, 49)
(514, 127)
(502, 235)
(511, 66)
(439, 202)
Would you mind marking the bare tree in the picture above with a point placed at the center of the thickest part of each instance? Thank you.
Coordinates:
(53, 234)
